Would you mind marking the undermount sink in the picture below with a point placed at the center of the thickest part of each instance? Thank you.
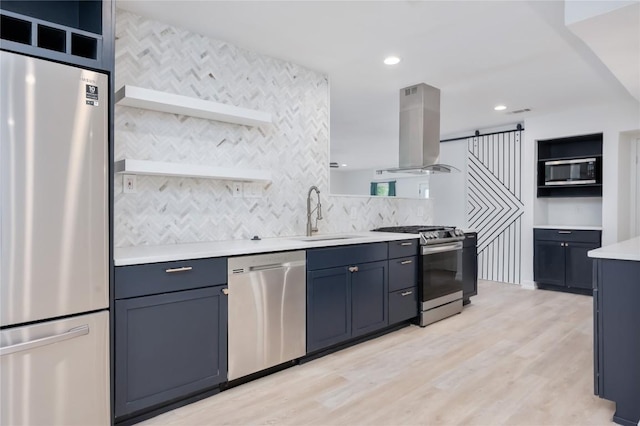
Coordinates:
(326, 237)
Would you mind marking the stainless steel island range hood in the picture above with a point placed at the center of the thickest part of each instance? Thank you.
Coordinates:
(420, 132)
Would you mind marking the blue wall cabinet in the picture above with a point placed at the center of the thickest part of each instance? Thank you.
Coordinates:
(77, 32)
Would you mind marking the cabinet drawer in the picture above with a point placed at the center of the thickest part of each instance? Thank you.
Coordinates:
(403, 248)
(155, 278)
(403, 273)
(332, 257)
(567, 235)
(403, 305)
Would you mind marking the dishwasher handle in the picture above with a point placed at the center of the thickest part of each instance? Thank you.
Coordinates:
(267, 267)
(244, 269)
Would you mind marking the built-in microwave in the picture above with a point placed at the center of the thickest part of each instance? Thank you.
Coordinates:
(576, 171)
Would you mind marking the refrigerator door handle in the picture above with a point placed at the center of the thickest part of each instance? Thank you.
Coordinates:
(19, 347)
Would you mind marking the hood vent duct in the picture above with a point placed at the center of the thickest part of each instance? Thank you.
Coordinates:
(420, 132)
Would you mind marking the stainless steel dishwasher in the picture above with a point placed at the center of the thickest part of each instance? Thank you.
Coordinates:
(267, 311)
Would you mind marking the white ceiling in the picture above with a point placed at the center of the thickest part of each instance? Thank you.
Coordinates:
(479, 53)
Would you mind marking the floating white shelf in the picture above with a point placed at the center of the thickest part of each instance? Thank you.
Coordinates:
(158, 168)
(154, 100)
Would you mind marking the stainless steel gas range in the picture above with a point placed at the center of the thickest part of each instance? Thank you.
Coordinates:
(440, 281)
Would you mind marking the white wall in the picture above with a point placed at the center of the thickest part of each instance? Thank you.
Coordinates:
(294, 148)
(579, 10)
(611, 119)
(449, 191)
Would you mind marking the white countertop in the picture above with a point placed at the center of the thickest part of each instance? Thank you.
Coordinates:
(124, 256)
(574, 227)
(624, 250)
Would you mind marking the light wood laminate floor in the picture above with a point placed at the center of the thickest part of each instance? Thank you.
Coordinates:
(513, 357)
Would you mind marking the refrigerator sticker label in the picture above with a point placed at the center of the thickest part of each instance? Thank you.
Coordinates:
(94, 103)
(92, 92)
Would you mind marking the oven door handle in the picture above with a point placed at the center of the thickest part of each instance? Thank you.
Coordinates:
(441, 248)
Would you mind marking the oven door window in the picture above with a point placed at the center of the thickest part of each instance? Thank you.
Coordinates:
(441, 274)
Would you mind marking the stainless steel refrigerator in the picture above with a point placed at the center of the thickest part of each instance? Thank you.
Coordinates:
(54, 340)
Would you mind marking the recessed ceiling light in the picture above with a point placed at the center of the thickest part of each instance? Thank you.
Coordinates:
(500, 107)
(391, 60)
(343, 165)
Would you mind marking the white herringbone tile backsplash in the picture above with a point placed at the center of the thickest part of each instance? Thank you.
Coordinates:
(295, 148)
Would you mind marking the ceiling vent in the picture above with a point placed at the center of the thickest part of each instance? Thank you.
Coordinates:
(520, 111)
(333, 165)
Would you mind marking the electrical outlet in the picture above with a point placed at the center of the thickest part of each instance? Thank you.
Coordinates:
(129, 184)
(252, 189)
(236, 187)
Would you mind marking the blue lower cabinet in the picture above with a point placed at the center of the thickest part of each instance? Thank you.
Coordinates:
(328, 307)
(579, 272)
(369, 298)
(346, 302)
(616, 337)
(168, 346)
(403, 305)
(560, 258)
(549, 262)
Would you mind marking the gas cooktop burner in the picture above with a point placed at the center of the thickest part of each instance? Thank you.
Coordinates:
(429, 234)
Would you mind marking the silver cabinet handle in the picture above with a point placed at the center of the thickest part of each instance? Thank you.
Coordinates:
(19, 347)
(406, 293)
(225, 291)
(406, 244)
(406, 262)
(564, 232)
(182, 269)
(353, 269)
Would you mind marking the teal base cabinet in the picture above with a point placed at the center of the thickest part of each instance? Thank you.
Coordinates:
(170, 333)
(346, 293)
(560, 259)
(617, 337)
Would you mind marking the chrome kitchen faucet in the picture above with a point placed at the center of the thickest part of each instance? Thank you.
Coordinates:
(311, 229)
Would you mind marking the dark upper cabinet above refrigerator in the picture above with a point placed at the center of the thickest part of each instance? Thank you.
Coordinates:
(77, 32)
